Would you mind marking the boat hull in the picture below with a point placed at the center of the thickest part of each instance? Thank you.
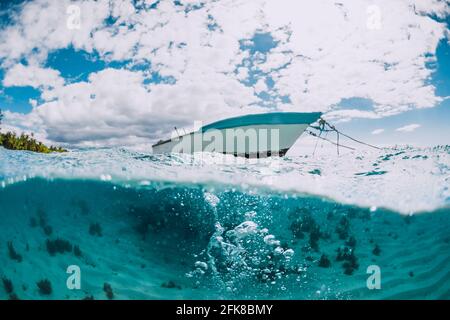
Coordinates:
(251, 140)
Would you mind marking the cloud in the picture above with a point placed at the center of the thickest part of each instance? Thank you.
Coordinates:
(260, 86)
(336, 56)
(115, 107)
(34, 76)
(377, 131)
(323, 52)
(408, 128)
(346, 114)
(44, 25)
(33, 102)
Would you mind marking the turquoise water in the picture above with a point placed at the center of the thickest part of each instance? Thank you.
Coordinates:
(208, 226)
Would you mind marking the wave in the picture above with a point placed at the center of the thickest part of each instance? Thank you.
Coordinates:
(409, 180)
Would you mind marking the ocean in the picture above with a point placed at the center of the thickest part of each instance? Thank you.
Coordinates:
(133, 225)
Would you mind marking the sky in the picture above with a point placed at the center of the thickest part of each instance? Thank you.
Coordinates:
(125, 72)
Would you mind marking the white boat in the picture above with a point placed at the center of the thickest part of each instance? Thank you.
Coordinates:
(250, 136)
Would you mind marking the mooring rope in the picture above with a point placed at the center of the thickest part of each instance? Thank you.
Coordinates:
(317, 141)
(326, 127)
(333, 128)
(332, 142)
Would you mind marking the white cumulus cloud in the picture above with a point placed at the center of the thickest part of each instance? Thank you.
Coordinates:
(34, 76)
(408, 128)
(336, 56)
(324, 52)
(377, 131)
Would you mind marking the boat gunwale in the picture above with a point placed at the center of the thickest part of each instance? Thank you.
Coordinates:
(269, 118)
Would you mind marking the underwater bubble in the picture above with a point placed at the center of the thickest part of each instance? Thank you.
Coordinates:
(288, 253)
(211, 199)
(270, 240)
(201, 264)
(250, 214)
(278, 250)
(245, 228)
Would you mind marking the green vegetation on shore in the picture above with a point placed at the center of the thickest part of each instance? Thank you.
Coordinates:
(12, 141)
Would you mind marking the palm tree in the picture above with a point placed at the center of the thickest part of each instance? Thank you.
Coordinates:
(11, 140)
(1, 136)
